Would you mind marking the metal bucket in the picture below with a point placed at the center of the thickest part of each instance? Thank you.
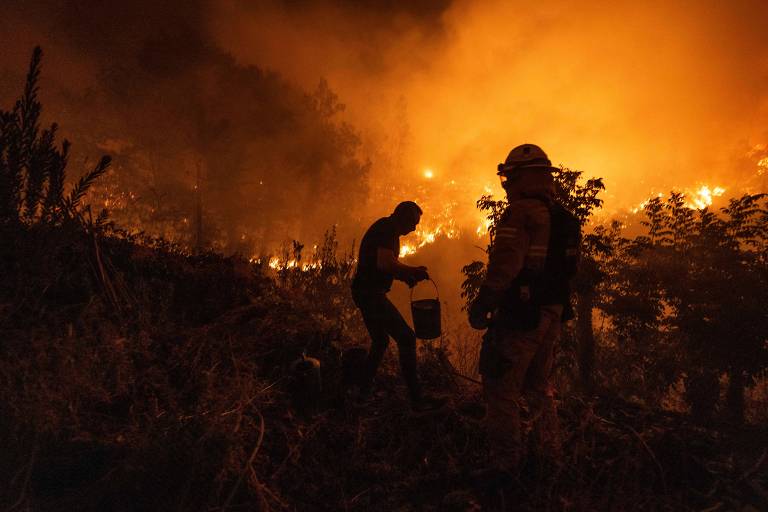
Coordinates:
(426, 316)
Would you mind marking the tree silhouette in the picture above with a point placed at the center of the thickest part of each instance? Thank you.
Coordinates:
(32, 168)
(687, 298)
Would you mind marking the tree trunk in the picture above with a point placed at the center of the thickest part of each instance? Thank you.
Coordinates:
(586, 340)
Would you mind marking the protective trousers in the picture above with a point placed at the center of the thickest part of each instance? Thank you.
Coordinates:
(528, 357)
(382, 319)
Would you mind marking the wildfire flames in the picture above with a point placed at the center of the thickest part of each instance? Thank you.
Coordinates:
(697, 199)
(424, 237)
(445, 224)
(762, 166)
(703, 196)
(450, 213)
(276, 263)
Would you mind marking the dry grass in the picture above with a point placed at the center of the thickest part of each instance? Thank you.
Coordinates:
(180, 399)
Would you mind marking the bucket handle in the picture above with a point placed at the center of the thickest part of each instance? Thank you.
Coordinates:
(437, 292)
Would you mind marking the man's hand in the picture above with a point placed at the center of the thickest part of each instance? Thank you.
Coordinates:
(478, 315)
(420, 274)
(417, 274)
(486, 302)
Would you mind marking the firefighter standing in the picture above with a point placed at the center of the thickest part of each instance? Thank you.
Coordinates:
(377, 267)
(523, 298)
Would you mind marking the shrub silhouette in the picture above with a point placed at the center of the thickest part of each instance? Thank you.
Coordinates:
(33, 169)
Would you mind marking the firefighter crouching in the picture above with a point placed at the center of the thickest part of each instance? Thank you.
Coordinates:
(523, 302)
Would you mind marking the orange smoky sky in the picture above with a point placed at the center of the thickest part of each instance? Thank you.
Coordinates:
(648, 95)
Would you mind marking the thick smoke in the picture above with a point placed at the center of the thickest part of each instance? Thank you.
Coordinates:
(649, 95)
(145, 82)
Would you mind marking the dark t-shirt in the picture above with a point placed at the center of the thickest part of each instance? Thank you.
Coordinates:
(368, 278)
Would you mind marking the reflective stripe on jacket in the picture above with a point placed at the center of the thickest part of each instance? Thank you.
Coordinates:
(521, 242)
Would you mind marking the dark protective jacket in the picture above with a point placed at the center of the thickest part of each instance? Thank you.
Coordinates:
(534, 255)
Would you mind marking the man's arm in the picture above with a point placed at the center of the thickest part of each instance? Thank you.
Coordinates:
(386, 261)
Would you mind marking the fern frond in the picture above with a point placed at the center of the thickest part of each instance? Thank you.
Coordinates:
(101, 218)
(54, 196)
(7, 177)
(82, 186)
(41, 161)
(28, 110)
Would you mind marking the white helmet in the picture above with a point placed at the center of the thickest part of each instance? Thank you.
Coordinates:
(525, 156)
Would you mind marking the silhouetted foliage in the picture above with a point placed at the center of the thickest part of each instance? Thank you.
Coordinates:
(687, 298)
(684, 300)
(32, 169)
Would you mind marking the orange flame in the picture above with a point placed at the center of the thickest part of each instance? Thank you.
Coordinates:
(424, 237)
(697, 199)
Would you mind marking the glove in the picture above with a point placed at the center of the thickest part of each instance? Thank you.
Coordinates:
(478, 315)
